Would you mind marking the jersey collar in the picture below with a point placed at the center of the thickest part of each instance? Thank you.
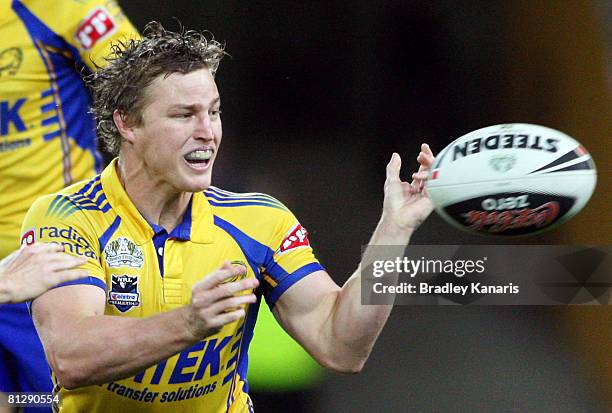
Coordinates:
(197, 228)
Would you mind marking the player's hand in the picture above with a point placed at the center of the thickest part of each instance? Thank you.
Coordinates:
(406, 205)
(215, 302)
(32, 270)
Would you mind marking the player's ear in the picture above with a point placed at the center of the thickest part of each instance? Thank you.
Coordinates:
(124, 126)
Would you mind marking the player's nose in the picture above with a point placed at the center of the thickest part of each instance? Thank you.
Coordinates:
(204, 128)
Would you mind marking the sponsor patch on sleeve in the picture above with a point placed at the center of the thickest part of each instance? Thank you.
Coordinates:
(296, 237)
(96, 26)
(28, 237)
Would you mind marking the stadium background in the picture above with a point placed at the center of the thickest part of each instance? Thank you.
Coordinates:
(318, 94)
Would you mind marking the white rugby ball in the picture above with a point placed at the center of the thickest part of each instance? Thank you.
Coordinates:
(511, 179)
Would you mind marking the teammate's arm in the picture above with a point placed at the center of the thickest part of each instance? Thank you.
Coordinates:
(85, 347)
(32, 270)
(329, 321)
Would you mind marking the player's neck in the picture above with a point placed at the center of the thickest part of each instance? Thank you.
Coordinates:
(157, 203)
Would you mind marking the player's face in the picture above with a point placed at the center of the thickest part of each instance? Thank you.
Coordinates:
(180, 132)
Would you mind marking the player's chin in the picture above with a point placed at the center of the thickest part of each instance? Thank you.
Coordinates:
(198, 185)
(197, 180)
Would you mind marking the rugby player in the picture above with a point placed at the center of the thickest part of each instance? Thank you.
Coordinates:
(177, 267)
(47, 141)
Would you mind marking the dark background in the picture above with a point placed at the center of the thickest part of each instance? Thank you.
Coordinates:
(315, 98)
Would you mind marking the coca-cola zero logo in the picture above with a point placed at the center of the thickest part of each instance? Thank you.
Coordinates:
(510, 213)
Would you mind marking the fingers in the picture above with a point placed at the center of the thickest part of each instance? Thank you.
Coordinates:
(393, 169)
(420, 175)
(425, 157)
(214, 288)
(62, 261)
(216, 302)
(59, 277)
(426, 160)
(43, 247)
(226, 272)
(426, 149)
(233, 288)
(228, 317)
(232, 303)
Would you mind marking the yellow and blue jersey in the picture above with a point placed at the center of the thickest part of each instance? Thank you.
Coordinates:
(144, 270)
(47, 138)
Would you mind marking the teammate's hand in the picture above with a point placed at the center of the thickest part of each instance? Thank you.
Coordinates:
(215, 302)
(32, 270)
(407, 204)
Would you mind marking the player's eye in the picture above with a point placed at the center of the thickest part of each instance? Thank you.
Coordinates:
(214, 113)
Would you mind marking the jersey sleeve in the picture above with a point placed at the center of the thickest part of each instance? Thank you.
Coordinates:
(89, 27)
(74, 232)
(292, 258)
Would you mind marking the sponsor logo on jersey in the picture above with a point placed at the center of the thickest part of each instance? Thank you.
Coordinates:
(70, 238)
(124, 292)
(28, 237)
(98, 25)
(296, 237)
(10, 61)
(9, 115)
(214, 358)
(123, 252)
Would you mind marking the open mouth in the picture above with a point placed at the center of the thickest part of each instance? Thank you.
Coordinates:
(199, 157)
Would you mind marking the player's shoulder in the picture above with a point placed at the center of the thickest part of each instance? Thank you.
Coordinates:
(256, 213)
(62, 12)
(260, 216)
(86, 197)
(248, 203)
(84, 24)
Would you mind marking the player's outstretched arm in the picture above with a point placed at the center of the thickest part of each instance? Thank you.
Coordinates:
(329, 321)
(32, 270)
(86, 347)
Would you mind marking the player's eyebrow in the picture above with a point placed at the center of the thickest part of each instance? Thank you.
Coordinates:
(195, 106)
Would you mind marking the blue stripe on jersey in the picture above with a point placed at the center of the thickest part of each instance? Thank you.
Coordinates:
(227, 194)
(63, 206)
(85, 281)
(256, 253)
(88, 185)
(221, 195)
(249, 327)
(49, 107)
(53, 203)
(239, 198)
(237, 204)
(66, 206)
(290, 280)
(78, 125)
(90, 190)
(109, 233)
(51, 135)
(50, 121)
